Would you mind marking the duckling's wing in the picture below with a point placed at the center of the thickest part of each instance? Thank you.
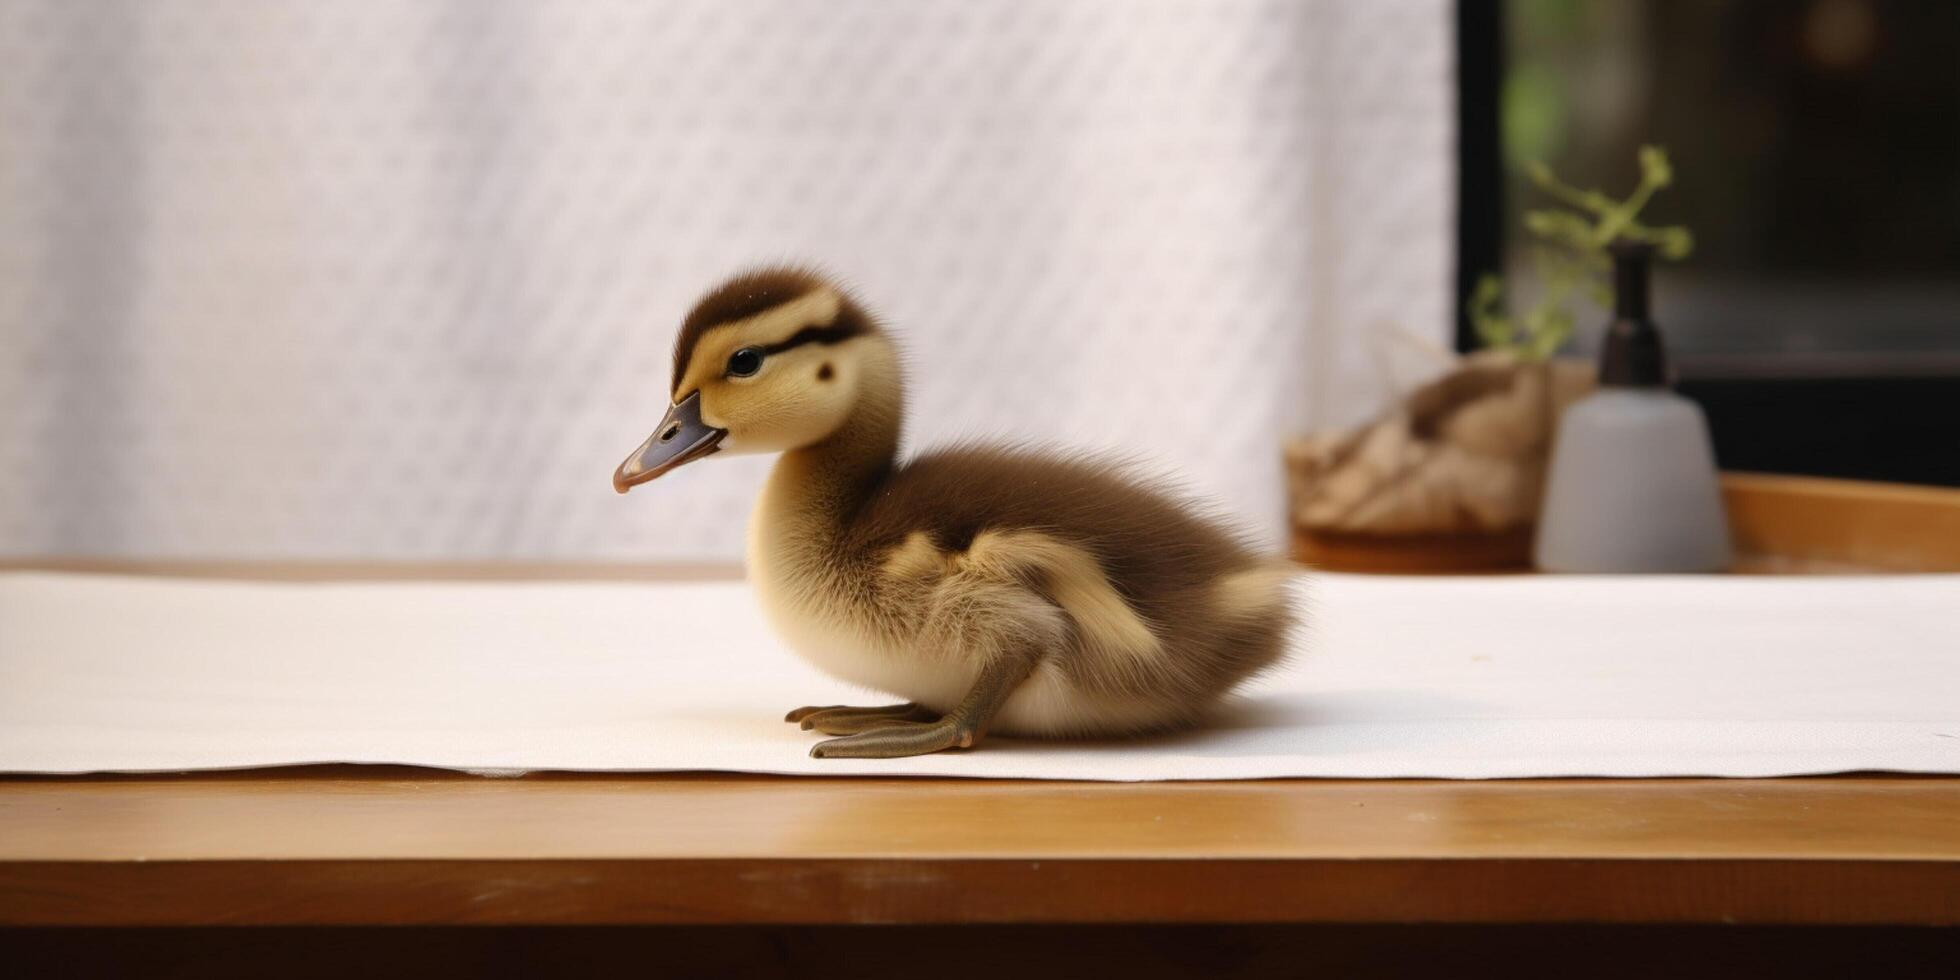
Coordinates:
(1172, 607)
(1149, 539)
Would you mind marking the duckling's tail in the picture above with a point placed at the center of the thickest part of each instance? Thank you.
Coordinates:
(1258, 605)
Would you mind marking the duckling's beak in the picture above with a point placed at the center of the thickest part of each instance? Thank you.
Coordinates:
(681, 438)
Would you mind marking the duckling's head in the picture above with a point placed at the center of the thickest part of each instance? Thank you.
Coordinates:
(771, 360)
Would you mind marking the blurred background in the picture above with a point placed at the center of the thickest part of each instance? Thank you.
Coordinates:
(400, 279)
(1817, 151)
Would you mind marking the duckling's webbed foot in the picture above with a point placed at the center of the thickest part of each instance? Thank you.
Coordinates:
(897, 737)
(842, 720)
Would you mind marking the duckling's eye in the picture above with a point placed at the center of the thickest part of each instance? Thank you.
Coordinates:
(744, 362)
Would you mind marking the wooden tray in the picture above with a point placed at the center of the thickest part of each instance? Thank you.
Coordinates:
(1778, 525)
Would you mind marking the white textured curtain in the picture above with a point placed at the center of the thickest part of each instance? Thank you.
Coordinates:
(318, 280)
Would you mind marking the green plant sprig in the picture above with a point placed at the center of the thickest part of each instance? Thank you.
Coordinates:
(1572, 257)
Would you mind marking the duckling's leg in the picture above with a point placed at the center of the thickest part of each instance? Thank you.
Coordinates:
(961, 727)
(844, 720)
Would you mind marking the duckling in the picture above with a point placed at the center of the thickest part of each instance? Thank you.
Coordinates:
(1016, 590)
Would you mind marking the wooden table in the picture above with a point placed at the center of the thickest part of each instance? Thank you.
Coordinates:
(350, 846)
(392, 846)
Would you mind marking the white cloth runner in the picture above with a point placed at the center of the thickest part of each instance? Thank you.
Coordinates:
(1466, 677)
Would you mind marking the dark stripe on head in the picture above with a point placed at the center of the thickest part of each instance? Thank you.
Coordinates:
(836, 333)
(752, 293)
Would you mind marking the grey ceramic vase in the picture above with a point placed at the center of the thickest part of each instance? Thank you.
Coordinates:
(1633, 485)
